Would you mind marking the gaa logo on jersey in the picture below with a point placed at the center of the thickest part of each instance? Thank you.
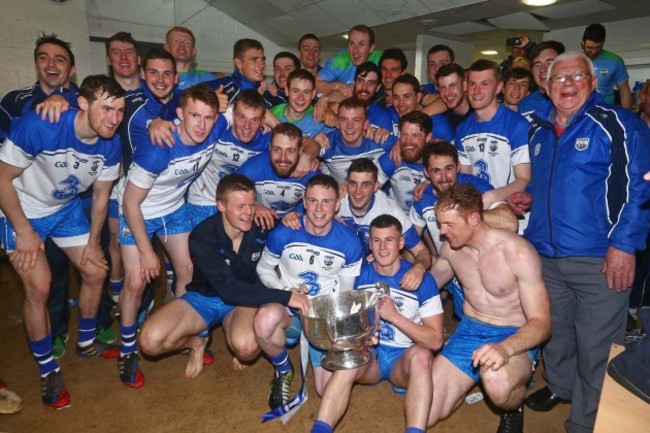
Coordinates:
(295, 256)
(582, 144)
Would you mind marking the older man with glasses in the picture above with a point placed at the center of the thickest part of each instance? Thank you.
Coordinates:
(587, 222)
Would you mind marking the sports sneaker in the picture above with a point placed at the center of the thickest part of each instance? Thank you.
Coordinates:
(54, 394)
(512, 421)
(58, 345)
(130, 374)
(106, 335)
(280, 386)
(97, 348)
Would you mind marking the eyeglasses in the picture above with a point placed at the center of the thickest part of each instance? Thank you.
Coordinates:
(576, 77)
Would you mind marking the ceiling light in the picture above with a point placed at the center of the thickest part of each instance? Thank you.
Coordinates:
(490, 52)
(538, 2)
(345, 36)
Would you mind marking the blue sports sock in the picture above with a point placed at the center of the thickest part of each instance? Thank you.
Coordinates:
(42, 351)
(413, 430)
(128, 339)
(321, 427)
(281, 361)
(169, 270)
(116, 286)
(87, 331)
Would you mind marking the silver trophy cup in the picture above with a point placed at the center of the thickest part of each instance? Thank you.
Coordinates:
(341, 323)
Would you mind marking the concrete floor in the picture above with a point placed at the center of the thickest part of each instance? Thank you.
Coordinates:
(219, 400)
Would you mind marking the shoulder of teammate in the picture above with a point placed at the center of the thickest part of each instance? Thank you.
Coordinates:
(441, 127)
(33, 135)
(348, 240)
(335, 65)
(470, 179)
(255, 167)
(151, 157)
(279, 237)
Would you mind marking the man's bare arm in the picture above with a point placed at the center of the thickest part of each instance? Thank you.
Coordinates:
(413, 277)
(625, 94)
(133, 198)
(429, 334)
(441, 268)
(522, 177)
(501, 217)
(93, 251)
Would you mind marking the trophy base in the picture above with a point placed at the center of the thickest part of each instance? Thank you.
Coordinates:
(346, 359)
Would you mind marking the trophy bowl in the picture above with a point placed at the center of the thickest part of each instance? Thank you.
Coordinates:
(341, 323)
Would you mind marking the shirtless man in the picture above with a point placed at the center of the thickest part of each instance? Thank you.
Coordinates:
(506, 311)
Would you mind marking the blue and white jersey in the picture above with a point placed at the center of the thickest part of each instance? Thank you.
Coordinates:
(413, 305)
(167, 172)
(379, 204)
(307, 124)
(16, 103)
(281, 194)
(536, 102)
(422, 213)
(337, 159)
(495, 147)
(316, 262)
(58, 166)
(229, 154)
(233, 84)
(402, 179)
(442, 130)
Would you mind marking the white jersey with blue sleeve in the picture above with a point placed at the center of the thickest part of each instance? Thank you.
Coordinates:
(338, 158)
(281, 194)
(495, 147)
(422, 213)
(403, 179)
(167, 173)
(413, 305)
(380, 204)
(229, 154)
(315, 262)
(58, 166)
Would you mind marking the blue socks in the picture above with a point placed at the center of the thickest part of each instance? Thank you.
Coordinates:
(87, 331)
(321, 427)
(281, 361)
(128, 339)
(413, 430)
(42, 351)
(116, 287)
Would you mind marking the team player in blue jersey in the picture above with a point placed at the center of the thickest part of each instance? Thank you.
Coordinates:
(278, 191)
(65, 158)
(410, 329)
(225, 288)
(347, 143)
(152, 202)
(321, 257)
(540, 58)
(239, 142)
(493, 141)
(441, 168)
(415, 133)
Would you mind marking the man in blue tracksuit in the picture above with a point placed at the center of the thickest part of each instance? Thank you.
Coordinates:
(588, 218)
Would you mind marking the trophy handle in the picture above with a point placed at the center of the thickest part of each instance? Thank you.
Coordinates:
(382, 289)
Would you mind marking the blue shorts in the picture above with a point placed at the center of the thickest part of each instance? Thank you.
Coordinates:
(387, 356)
(68, 227)
(174, 223)
(197, 214)
(293, 336)
(212, 309)
(113, 209)
(472, 334)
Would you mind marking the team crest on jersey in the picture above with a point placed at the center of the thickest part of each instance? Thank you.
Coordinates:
(582, 144)
(493, 145)
(256, 256)
(603, 72)
(328, 260)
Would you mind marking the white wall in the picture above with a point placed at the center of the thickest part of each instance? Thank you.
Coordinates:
(630, 39)
(22, 21)
(149, 20)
